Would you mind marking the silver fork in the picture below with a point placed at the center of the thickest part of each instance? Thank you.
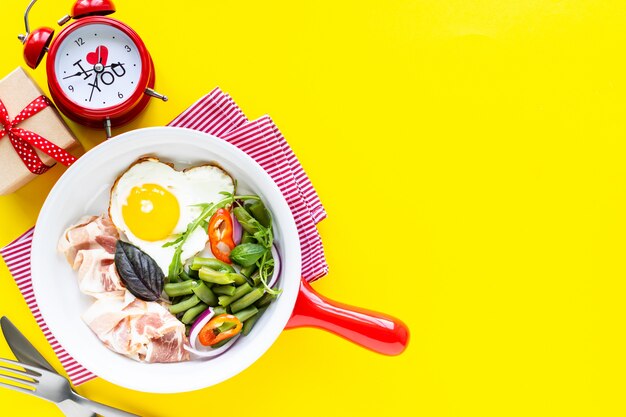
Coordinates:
(49, 386)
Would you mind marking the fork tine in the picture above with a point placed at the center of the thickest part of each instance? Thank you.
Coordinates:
(17, 372)
(19, 380)
(16, 388)
(38, 371)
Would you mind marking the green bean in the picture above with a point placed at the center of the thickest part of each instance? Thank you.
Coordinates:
(210, 275)
(226, 327)
(222, 343)
(185, 276)
(224, 290)
(259, 212)
(240, 291)
(265, 300)
(221, 278)
(247, 300)
(203, 292)
(256, 278)
(191, 314)
(247, 237)
(239, 279)
(219, 310)
(184, 305)
(249, 324)
(247, 271)
(244, 315)
(192, 273)
(214, 264)
(179, 288)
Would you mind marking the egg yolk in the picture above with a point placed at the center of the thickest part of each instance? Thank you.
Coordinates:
(151, 212)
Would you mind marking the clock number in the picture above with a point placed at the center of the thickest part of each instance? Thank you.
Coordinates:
(120, 95)
(71, 88)
(127, 48)
(79, 42)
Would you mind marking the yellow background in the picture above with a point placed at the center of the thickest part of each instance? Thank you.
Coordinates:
(470, 155)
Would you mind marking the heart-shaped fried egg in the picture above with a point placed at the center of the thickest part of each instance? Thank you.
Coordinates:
(152, 203)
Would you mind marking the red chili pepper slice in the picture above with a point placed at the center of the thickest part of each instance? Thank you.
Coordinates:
(221, 235)
(210, 334)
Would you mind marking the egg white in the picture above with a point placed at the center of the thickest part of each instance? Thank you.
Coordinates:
(197, 185)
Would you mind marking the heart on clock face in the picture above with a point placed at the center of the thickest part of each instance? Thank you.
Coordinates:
(100, 55)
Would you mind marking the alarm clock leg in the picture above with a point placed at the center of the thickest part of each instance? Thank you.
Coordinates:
(107, 127)
(153, 93)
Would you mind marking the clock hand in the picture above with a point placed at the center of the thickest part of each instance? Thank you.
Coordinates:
(73, 75)
(119, 64)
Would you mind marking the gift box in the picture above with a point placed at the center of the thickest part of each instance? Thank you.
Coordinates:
(33, 136)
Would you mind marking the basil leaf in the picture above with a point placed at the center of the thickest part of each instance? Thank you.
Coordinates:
(247, 254)
(139, 272)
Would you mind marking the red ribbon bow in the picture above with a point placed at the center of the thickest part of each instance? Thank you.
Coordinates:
(25, 141)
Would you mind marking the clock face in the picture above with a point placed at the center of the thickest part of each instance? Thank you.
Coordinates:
(98, 66)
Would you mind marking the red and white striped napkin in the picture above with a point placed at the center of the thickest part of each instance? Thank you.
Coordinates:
(217, 114)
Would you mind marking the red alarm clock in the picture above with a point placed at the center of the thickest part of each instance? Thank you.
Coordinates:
(99, 70)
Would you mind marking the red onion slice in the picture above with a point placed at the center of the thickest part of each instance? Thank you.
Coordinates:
(237, 230)
(203, 318)
(210, 352)
(276, 272)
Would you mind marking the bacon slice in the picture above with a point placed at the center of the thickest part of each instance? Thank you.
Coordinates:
(89, 247)
(143, 331)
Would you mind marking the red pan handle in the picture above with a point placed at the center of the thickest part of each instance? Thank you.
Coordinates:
(375, 331)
